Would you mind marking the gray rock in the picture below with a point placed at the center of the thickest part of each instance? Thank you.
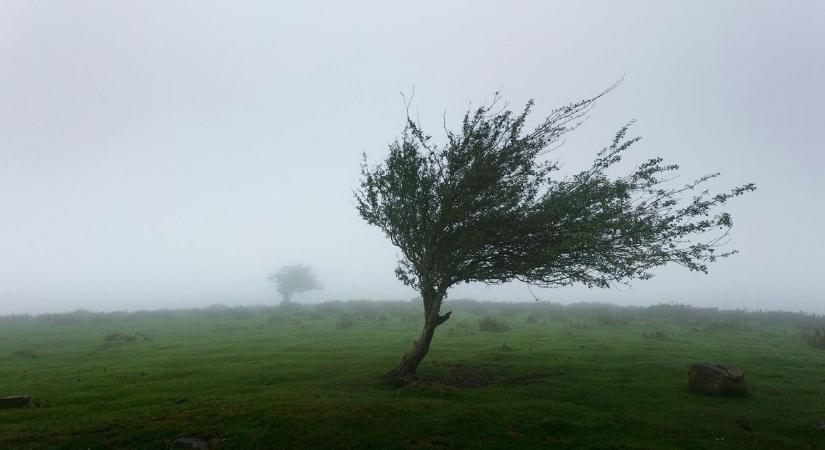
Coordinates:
(16, 401)
(190, 442)
(716, 379)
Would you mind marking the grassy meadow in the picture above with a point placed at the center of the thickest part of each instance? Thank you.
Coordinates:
(498, 376)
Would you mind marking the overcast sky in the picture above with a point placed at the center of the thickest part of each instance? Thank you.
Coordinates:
(171, 154)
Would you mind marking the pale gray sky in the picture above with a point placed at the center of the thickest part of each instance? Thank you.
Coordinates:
(171, 154)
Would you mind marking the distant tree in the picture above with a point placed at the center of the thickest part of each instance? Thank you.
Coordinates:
(486, 207)
(295, 279)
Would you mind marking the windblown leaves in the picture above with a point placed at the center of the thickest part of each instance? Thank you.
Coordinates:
(487, 207)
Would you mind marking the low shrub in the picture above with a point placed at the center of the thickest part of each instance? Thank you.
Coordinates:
(535, 317)
(381, 319)
(344, 322)
(284, 318)
(658, 334)
(461, 327)
(815, 338)
(492, 325)
(118, 336)
(725, 325)
(610, 320)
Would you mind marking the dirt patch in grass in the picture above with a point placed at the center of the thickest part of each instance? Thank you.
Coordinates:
(469, 376)
(462, 375)
(530, 378)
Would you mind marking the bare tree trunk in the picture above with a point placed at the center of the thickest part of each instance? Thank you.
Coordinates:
(285, 296)
(405, 372)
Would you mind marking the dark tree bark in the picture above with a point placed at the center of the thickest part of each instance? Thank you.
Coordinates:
(405, 372)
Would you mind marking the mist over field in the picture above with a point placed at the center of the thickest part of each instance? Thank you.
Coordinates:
(171, 155)
(429, 225)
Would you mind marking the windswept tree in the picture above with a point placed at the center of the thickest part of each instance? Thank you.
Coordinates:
(290, 280)
(488, 206)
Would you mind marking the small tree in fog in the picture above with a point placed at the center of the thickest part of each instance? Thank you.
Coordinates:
(487, 207)
(295, 279)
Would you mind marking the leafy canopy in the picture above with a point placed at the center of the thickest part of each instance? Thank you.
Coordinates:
(488, 206)
(290, 280)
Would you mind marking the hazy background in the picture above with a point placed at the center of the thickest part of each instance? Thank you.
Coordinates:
(171, 154)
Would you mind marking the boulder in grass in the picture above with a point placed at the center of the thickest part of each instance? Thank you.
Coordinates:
(716, 379)
(16, 401)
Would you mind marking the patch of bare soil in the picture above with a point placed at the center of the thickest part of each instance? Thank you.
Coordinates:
(460, 375)
(529, 378)
(464, 376)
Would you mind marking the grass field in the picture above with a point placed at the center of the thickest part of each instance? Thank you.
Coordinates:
(582, 376)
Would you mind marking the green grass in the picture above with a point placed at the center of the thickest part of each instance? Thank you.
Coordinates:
(309, 378)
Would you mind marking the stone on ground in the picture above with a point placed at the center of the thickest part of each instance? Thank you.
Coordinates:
(716, 379)
(16, 401)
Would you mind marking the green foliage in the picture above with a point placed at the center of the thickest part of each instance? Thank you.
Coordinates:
(816, 337)
(709, 318)
(487, 206)
(490, 324)
(535, 317)
(290, 280)
(344, 322)
(460, 328)
(658, 335)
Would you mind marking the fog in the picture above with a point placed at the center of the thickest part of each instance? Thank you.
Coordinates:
(172, 154)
